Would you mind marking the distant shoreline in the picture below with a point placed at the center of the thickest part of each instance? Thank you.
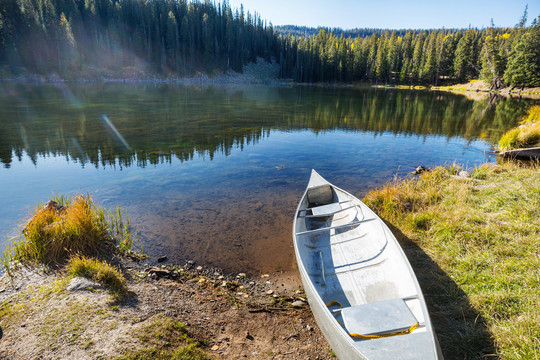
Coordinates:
(264, 73)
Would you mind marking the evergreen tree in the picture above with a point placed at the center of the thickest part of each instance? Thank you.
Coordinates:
(492, 62)
(464, 58)
(524, 63)
(417, 60)
(429, 70)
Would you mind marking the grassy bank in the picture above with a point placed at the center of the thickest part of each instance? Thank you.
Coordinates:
(527, 134)
(76, 235)
(474, 243)
(481, 86)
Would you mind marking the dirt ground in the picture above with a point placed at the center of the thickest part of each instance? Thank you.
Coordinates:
(231, 315)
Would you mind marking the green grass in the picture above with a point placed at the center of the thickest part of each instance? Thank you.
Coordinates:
(76, 226)
(474, 246)
(165, 339)
(525, 135)
(101, 272)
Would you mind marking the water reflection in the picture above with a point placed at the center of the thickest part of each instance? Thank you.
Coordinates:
(214, 174)
(148, 124)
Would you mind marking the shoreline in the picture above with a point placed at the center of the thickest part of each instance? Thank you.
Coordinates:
(254, 77)
(228, 315)
(232, 315)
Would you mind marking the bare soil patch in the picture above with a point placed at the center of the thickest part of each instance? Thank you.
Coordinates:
(232, 316)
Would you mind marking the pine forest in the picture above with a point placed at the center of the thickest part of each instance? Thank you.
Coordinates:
(180, 37)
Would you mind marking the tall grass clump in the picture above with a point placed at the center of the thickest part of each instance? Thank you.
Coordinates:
(474, 245)
(99, 271)
(527, 134)
(70, 226)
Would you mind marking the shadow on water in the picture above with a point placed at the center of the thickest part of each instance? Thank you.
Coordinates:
(461, 330)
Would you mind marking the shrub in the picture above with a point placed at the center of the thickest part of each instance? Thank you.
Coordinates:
(70, 226)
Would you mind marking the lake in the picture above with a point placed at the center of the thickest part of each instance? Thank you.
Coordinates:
(214, 174)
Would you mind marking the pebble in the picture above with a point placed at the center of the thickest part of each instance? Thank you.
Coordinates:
(199, 268)
(214, 348)
(298, 304)
(270, 292)
(241, 275)
(161, 259)
(221, 277)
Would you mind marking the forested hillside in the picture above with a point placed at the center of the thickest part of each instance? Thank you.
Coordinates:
(501, 56)
(296, 30)
(179, 37)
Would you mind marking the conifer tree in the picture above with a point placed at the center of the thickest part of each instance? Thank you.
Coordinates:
(417, 60)
(524, 63)
(429, 70)
(464, 59)
(492, 62)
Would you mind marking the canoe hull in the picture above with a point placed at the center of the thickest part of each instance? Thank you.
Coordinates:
(347, 257)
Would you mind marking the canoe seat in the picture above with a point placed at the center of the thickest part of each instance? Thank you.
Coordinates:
(326, 210)
(377, 318)
(320, 195)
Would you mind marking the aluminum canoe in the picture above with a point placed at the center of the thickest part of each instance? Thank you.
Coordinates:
(360, 286)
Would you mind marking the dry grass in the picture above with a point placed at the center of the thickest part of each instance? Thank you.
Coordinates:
(65, 227)
(101, 272)
(482, 233)
(527, 134)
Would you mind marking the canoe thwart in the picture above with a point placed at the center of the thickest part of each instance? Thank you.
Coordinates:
(334, 243)
(334, 227)
(327, 210)
(311, 208)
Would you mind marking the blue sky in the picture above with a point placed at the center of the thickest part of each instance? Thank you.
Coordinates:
(392, 14)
